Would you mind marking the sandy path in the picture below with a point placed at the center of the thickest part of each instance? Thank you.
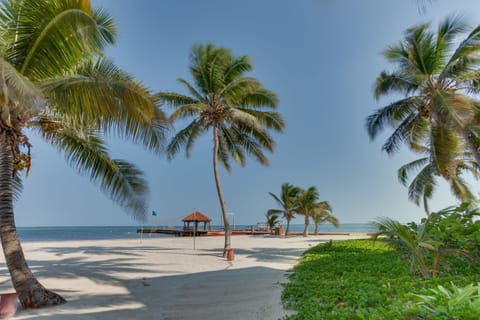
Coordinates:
(165, 278)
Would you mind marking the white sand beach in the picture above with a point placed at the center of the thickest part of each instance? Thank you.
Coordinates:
(166, 278)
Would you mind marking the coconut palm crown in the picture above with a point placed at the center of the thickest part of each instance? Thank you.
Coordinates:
(439, 80)
(56, 82)
(287, 202)
(323, 213)
(236, 109)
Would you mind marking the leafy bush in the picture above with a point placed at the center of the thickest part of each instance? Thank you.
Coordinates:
(457, 228)
(439, 240)
(360, 279)
(457, 303)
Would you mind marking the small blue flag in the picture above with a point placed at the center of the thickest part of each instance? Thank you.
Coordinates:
(154, 213)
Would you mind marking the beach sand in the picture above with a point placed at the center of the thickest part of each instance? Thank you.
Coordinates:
(166, 278)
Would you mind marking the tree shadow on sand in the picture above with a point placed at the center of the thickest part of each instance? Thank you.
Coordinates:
(155, 289)
(227, 294)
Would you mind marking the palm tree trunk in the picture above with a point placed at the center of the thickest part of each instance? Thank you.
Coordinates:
(220, 193)
(307, 222)
(288, 226)
(316, 228)
(30, 292)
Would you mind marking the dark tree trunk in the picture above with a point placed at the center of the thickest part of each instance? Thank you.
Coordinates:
(226, 224)
(288, 226)
(30, 292)
(307, 222)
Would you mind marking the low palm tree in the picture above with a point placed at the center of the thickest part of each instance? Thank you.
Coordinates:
(237, 110)
(416, 241)
(55, 81)
(306, 203)
(439, 79)
(287, 202)
(272, 220)
(323, 213)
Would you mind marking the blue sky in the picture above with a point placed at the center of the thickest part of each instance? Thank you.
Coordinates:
(320, 56)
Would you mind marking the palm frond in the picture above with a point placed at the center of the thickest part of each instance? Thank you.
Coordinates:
(392, 228)
(197, 95)
(405, 170)
(237, 67)
(446, 148)
(231, 147)
(422, 50)
(390, 115)
(250, 144)
(422, 185)
(175, 99)
(71, 27)
(464, 57)
(188, 111)
(277, 199)
(455, 107)
(99, 94)
(184, 137)
(270, 120)
(120, 180)
(461, 190)
(260, 99)
(19, 90)
(235, 91)
(400, 135)
(395, 82)
(448, 31)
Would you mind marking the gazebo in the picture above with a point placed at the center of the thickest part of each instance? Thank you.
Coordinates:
(195, 218)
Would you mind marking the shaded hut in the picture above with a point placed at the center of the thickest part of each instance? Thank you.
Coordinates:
(195, 218)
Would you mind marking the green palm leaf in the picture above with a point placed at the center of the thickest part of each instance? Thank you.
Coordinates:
(117, 178)
(100, 94)
(68, 25)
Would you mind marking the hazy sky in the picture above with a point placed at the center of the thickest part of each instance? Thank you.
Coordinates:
(320, 57)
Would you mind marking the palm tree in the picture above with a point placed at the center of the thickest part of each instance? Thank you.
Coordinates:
(422, 186)
(237, 110)
(273, 219)
(323, 213)
(306, 204)
(439, 82)
(55, 82)
(287, 201)
(416, 241)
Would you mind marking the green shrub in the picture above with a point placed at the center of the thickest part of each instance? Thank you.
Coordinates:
(457, 303)
(359, 279)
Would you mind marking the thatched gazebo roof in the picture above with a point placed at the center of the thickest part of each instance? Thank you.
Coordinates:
(196, 216)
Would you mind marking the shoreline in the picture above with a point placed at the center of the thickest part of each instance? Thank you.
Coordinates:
(167, 278)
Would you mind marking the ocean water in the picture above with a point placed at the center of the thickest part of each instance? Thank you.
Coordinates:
(105, 232)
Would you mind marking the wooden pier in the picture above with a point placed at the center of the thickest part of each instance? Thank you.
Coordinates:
(201, 233)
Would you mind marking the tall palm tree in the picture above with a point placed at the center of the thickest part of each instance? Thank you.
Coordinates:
(323, 213)
(287, 201)
(307, 201)
(237, 110)
(54, 81)
(422, 185)
(439, 80)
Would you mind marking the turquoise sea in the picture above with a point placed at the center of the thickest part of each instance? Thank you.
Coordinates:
(105, 232)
